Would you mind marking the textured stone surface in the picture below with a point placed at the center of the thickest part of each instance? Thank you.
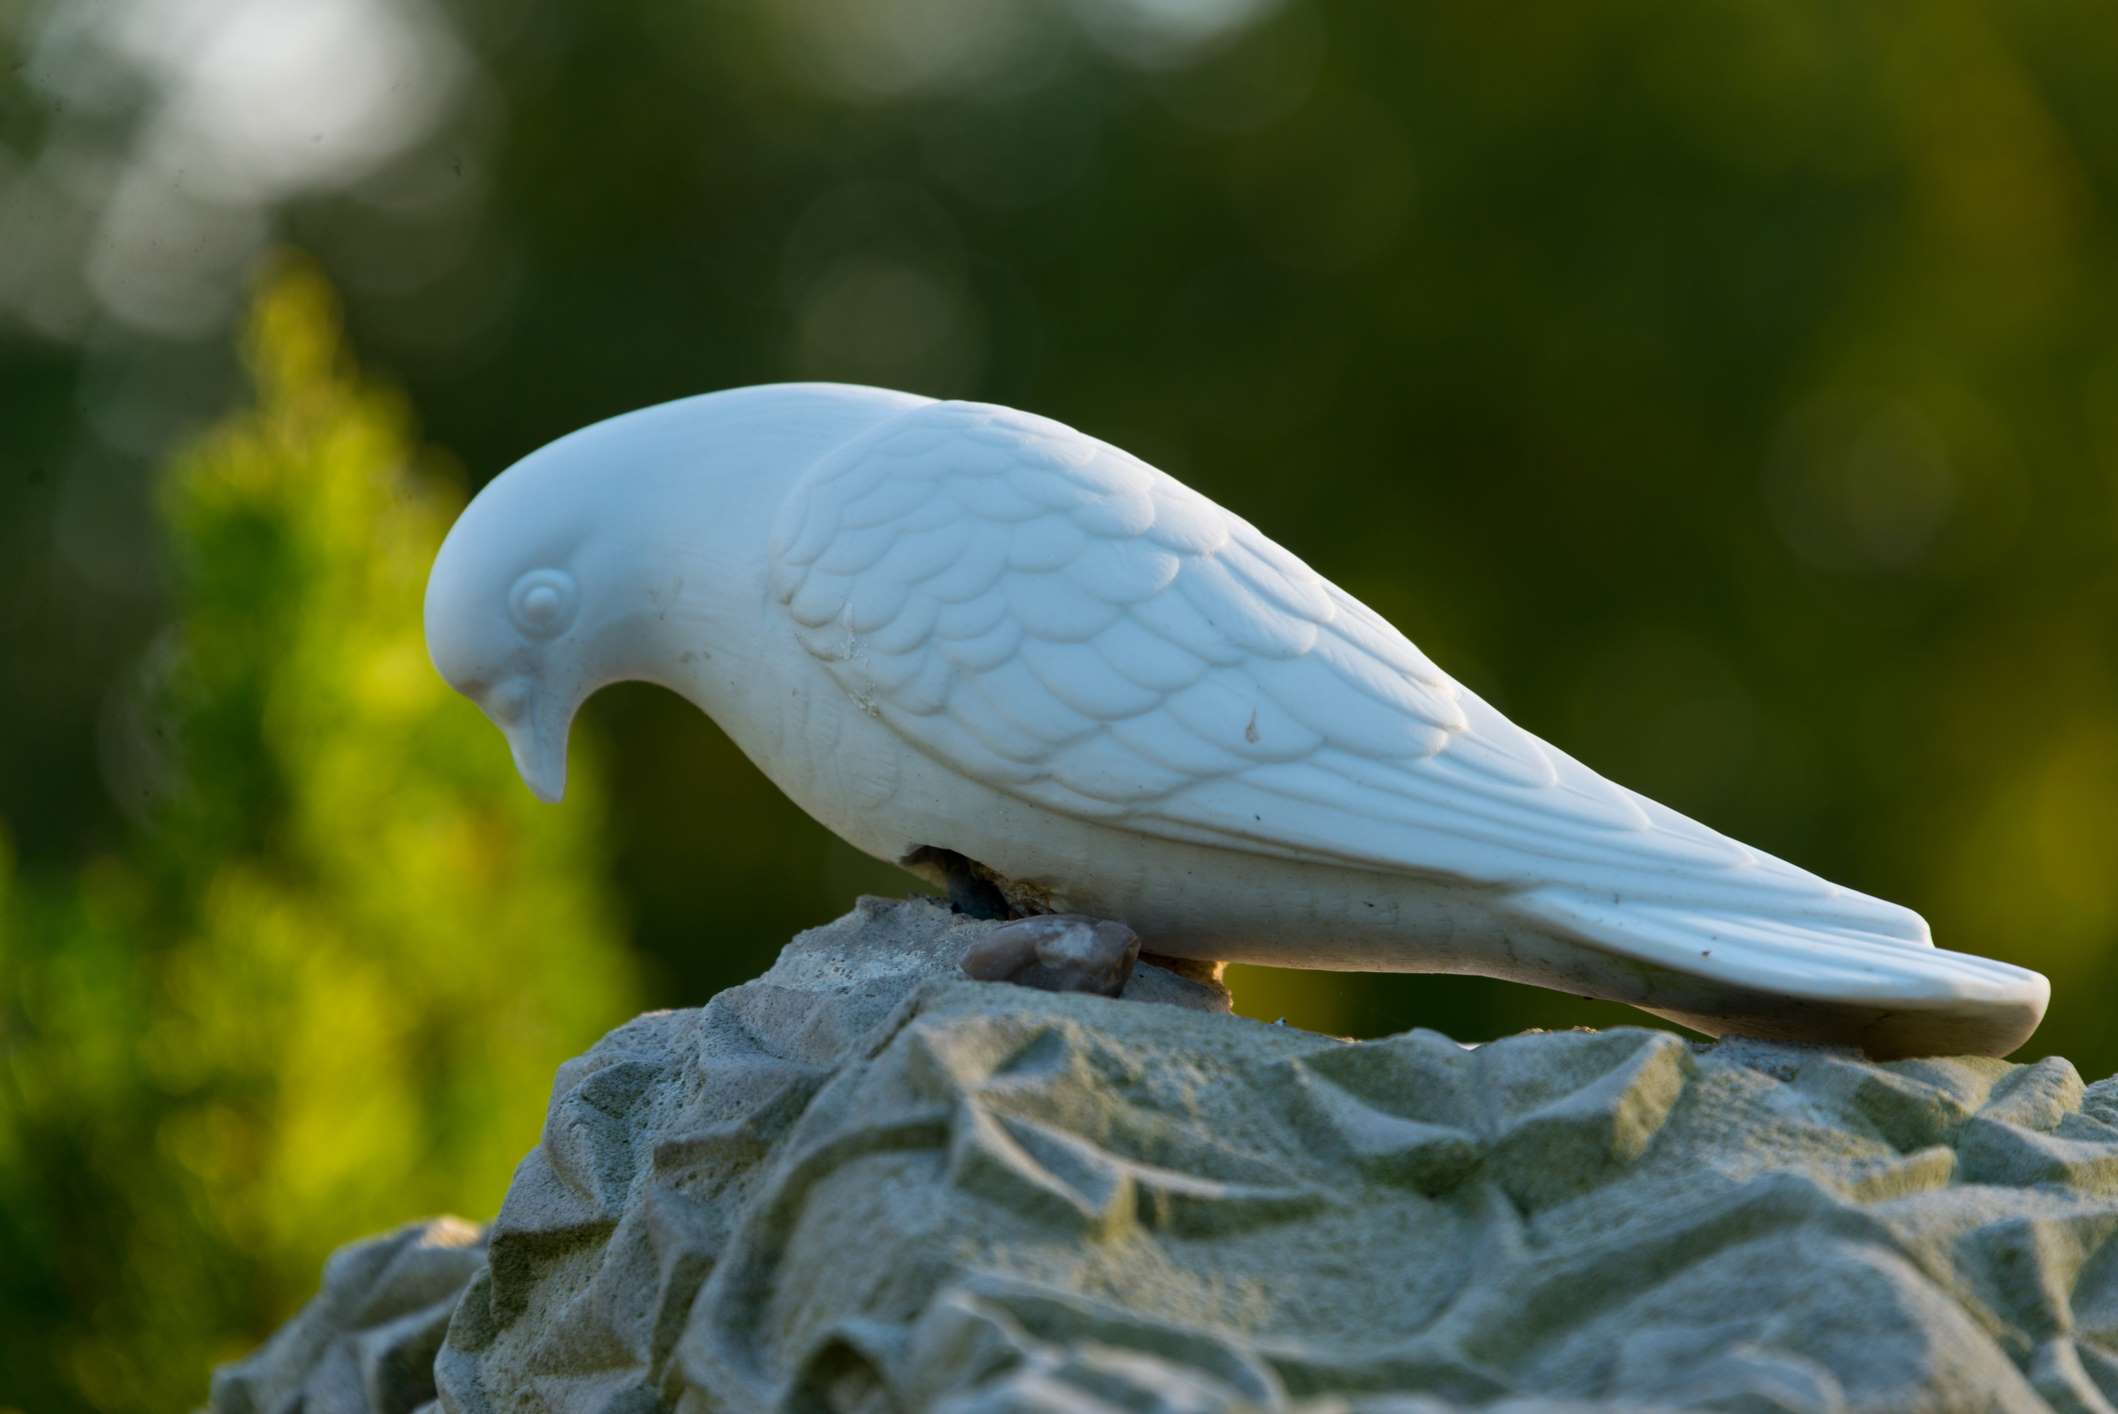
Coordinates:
(367, 1341)
(863, 1183)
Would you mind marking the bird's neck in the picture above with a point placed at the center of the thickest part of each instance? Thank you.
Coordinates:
(693, 551)
(692, 615)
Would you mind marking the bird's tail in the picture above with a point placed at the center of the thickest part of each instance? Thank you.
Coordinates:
(1858, 982)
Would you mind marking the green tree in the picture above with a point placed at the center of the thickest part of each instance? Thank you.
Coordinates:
(323, 988)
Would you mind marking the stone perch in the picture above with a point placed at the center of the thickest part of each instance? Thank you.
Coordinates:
(866, 1182)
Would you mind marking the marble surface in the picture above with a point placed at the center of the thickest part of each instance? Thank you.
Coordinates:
(956, 630)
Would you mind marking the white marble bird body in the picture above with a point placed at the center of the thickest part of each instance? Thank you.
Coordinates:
(946, 626)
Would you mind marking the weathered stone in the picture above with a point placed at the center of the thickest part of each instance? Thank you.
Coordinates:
(863, 1182)
(367, 1341)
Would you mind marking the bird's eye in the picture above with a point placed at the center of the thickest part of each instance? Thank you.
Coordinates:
(542, 603)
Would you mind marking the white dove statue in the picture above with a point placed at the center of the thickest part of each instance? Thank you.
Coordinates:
(982, 645)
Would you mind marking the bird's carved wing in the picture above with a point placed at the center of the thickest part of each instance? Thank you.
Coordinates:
(1049, 615)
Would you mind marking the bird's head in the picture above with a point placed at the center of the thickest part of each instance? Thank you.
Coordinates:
(623, 552)
(514, 605)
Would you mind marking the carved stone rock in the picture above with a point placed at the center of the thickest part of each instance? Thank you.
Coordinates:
(367, 1341)
(864, 1182)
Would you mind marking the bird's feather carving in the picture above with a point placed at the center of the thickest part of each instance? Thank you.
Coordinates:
(1049, 615)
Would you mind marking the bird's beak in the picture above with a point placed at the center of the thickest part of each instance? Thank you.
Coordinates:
(538, 741)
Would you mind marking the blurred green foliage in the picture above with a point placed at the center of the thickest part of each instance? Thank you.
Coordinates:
(324, 986)
(1728, 392)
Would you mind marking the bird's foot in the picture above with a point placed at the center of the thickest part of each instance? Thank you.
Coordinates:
(970, 885)
(1057, 952)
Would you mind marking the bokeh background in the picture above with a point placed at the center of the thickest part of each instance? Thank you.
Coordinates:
(1729, 392)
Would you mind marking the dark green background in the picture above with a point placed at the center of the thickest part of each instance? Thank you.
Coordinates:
(1728, 392)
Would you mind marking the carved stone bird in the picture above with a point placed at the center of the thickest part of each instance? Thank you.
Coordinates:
(1021, 661)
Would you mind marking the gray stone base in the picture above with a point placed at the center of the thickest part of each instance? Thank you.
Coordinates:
(862, 1182)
